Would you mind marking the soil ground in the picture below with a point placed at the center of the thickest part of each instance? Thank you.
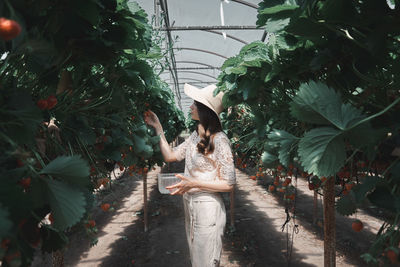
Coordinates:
(256, 239)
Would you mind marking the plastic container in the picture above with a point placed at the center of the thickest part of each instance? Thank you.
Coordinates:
(167, 179)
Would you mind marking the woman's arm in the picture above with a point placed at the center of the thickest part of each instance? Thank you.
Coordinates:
(168, 154)
(187, 183)
(166, 151)
(226, 172)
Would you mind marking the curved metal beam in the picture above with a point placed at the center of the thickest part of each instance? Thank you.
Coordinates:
(227, 35)
(245, 3)
(188, 79)
(198, 63)
(200, 50)
(200, 28)
(195, 81)
(196, 72)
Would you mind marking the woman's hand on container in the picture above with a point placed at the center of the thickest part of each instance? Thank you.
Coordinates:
(151, 119)
(183, 186)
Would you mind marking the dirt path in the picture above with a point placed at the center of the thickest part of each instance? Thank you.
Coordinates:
(256, 241)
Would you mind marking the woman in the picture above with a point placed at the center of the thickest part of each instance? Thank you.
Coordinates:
(209, 169)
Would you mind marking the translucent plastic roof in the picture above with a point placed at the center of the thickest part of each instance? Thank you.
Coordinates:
(199, 54)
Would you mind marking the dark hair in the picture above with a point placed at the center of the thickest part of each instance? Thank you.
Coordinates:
(210, 122)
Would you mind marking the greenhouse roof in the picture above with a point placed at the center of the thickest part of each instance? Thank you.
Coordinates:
(195, 29)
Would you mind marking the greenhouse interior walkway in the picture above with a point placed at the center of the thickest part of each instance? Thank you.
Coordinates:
(257, 240)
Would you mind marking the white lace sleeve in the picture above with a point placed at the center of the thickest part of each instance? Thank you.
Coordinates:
(180, 150)
(224, 158)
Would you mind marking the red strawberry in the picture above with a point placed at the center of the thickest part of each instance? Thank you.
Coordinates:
(4, 243)
(25, 182)
(105, 206)
(392, 256)
(20, 163)
(271, 188)
(9, 29)
(42, 104)
(357, 225)
(51, 102)
(91, 224)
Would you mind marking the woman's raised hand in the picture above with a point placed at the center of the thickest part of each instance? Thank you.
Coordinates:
(150, 118)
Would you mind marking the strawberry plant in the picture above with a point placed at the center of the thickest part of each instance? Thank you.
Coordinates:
(324, 95)
(71, 82)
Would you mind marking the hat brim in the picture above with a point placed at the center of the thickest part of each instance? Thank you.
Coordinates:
(195, 93)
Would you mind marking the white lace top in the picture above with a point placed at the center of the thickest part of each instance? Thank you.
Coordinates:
(218, 165)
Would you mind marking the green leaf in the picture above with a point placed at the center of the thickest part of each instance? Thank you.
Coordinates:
(395, 171)
(268, 159)
(88, 10)
(71, 169)
(139, 144)
(275, 26)
(340, 11)
(277, 9)
(368, 184)
(383, 198)
(346, 205)
(307, 29)
(13, 197)
(37, 193)
(67, 204)
(322, 151)
(318, 104)
(236, 70)
(111, 153)
(366, 137)
(155, 140)
(87, 137)
(275, 12)
(5, 222)
(286, 142)
(24, 114)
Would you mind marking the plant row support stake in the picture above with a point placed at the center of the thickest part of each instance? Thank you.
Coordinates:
(329, 223)
(145, 218)
(315, 209)
(232, 207)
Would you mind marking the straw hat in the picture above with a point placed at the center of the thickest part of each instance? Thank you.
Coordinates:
(206, 96)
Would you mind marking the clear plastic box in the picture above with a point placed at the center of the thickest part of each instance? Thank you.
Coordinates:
(167, 179)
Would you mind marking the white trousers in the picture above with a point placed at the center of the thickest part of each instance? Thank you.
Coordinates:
(205, 219)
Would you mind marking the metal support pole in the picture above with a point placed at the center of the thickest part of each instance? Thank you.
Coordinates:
(146, 223)
(200, 73)
(195, 68)
(164, 8)
(246, 3)
(315, 208)
(200, 50)
(228, 35)
(232, 207)
(58, 258)
(205, 28)
(197, 63)
(329, 224)
(207, 82)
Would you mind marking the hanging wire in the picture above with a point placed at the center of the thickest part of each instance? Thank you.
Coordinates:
(221, 13)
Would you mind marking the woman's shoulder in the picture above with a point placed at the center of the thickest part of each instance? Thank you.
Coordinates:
(221, 136)
(194, 134)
